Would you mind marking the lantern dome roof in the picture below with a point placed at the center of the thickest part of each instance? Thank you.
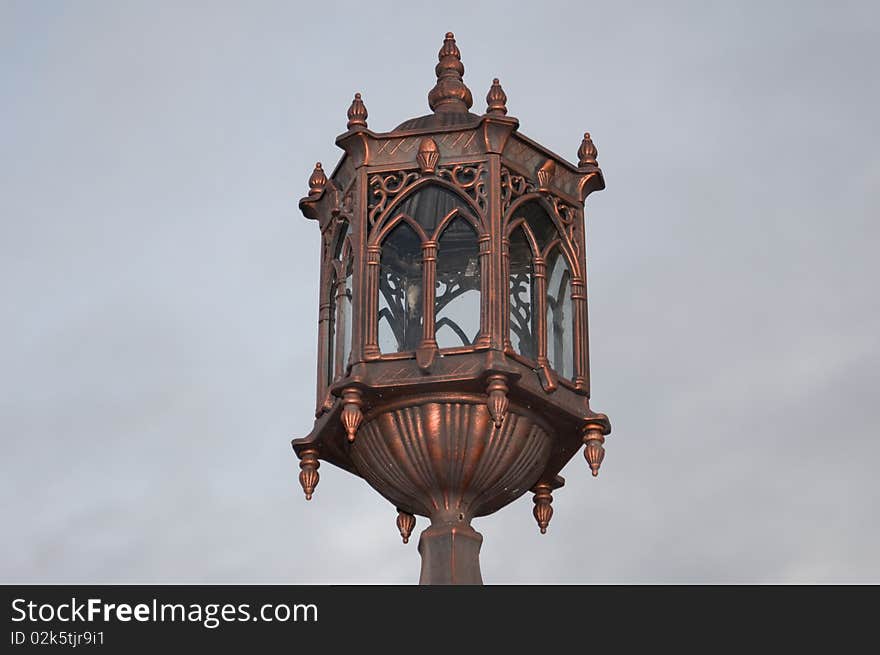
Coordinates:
(442, 119)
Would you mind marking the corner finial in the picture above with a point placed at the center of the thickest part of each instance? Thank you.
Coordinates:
(587, 153)
(357, 113)
(496, 99)
(450, 92)
(317, 181)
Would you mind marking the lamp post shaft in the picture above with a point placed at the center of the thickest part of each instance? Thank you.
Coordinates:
(450, 554)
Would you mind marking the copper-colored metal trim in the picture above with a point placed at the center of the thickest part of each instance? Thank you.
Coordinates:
(443, 397)
(375, 169)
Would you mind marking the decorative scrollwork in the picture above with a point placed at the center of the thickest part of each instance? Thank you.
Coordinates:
(469, 178)
(566, 214)
(512, 187)
(521, 310)
(383, 188)
(347, 204)
(472, 179)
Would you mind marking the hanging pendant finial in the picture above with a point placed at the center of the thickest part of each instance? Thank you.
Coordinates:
(351, 415)
(594, 451)
(405, 523)
(357, 113)
(497, 401)
(543, 512)
(308, 475)
(496, 99)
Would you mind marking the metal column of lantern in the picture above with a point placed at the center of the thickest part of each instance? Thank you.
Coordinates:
(453, 370)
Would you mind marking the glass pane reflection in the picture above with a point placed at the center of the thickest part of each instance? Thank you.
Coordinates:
(330, 344)
(400, 291)
(521, 281)
(345, 311)
(560, 317)
(457, 295)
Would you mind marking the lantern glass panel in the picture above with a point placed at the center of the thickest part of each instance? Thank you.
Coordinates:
(457, 296)
(400, 291)
(521, 281)
(330, 343)
(560, 317)
(345, 310)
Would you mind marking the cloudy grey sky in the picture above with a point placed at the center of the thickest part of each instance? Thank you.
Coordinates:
(160, 285)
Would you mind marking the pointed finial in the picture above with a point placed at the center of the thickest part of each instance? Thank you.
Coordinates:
(449, 48)
(357, 113)
(496, 99)
(587, 153)
(450, 92)
(317, 181)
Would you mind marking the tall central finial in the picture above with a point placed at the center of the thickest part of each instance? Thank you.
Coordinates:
(450, 93)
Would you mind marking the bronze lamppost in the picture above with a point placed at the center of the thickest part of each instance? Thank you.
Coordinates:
(453, 371)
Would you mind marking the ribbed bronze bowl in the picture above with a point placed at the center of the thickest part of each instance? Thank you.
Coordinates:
(442, 457)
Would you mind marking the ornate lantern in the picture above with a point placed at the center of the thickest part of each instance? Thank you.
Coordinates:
(453, 371)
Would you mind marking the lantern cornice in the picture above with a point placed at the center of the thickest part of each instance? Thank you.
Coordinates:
(487, 135)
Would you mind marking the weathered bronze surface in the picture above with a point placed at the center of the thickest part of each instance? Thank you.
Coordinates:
(452, 433)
